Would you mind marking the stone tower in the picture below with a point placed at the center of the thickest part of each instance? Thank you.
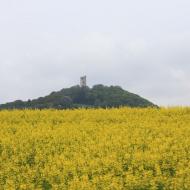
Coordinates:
(83, 81)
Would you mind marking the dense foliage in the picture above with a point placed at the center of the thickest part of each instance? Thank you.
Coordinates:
(126, 148)
(75, 97)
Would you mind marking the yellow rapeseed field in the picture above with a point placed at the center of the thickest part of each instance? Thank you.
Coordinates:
(135, 149)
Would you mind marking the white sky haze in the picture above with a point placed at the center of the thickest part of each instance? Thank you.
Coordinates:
(143, 46)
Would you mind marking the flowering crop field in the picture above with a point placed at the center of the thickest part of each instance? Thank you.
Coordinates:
(125, 148)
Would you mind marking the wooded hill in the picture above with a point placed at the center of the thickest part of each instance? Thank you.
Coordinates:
(76, 97)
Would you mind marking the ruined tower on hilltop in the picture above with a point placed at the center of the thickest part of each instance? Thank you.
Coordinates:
(83, 81)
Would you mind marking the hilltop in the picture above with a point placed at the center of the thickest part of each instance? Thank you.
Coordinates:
(76, 97)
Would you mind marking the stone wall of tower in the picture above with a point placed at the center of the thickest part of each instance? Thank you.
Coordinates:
(83, 81)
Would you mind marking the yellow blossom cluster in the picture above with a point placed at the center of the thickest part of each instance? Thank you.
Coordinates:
(124, 148)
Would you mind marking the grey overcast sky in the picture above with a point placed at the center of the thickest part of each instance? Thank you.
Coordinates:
(141, 45)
